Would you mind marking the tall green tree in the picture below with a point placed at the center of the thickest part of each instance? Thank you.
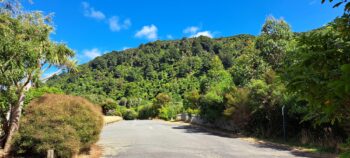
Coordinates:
(26, 52)
(274, 41)
(321, 73)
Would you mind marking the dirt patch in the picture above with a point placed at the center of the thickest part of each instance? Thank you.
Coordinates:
(111, 119)
(95, 152)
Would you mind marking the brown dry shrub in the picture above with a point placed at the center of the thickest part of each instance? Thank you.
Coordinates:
(67, 124)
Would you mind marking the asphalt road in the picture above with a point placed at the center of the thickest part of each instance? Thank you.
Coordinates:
(159, 139)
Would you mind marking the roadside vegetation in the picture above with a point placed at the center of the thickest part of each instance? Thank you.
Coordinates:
(242, 79)
(66, 124)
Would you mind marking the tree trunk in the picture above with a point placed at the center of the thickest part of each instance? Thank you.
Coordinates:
(15, 116)
(4, 128)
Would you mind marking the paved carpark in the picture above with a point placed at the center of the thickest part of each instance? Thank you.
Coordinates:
(160, 139)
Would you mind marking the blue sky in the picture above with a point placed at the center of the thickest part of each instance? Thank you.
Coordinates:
(95, 27)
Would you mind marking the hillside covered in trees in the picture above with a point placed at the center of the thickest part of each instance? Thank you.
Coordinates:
(245, 79)
(172, 67)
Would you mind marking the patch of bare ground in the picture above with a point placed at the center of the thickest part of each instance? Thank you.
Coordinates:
(95, 152)
(111, 119)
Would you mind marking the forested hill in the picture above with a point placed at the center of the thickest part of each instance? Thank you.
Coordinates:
(244, 79)
(172, 67)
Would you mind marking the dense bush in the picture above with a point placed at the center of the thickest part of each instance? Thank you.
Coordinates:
(119, 111)
(147, 111)
(169, 112)
(130, 114)
(67, 124)
(109, 106)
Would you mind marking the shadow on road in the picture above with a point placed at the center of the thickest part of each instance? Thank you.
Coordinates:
(261, 144)
(206, 130)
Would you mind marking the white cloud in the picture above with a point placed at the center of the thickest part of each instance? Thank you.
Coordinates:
(194, 31)
(149, 32)
(191, 29)
(169, 37)
(93, 53)
(203, 33)
(114, 24)
(91, 12)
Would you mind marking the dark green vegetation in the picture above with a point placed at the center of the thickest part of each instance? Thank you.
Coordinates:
(67, 124)
(244, 79)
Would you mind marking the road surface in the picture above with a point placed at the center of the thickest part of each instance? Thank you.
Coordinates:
(160, 139)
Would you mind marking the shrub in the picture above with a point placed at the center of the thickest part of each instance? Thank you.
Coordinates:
(192, 112)
(109, 106)
(169, 112)
(162, 99)
(119, 110)
(67, 124)
(130, 114)
(211, 106)
(147, 111)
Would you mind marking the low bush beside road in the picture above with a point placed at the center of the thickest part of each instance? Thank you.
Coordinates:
(66, 124)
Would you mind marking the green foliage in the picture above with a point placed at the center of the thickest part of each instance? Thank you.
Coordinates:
(147, 111)
(274, 41)
(119, 111)
(130, 114)
(320, 74)
(172, 67)
(237, 106)
(162, 99)
(248, 66)
(38, 92)
(25, 41)
(191, 100)
(109, 106)
(66, 124)
(211, 106)
(169, 112)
